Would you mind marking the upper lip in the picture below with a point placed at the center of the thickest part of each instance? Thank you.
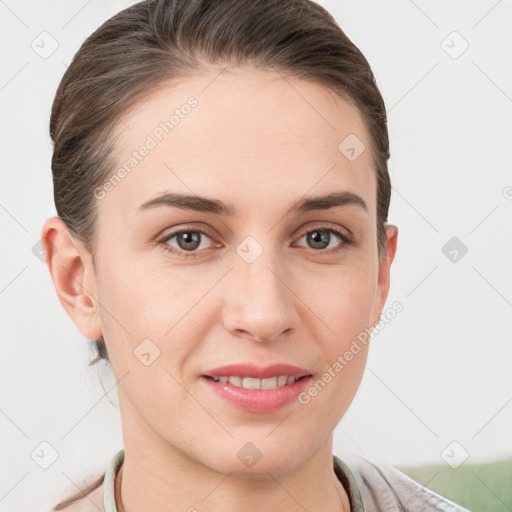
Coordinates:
(257, 372)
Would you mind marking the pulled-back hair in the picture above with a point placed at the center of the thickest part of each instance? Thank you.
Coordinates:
(154, 41)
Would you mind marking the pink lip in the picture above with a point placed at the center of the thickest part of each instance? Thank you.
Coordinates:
(250, 370)
(258, 400)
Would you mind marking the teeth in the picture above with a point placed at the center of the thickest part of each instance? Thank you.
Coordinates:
(270, 383)
(281, 380)
(253, 383)
(236, 381)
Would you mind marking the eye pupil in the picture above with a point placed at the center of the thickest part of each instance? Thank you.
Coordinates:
(191, 240)
(319, 237)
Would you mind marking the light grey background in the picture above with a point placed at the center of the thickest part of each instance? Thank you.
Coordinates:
(437, 387)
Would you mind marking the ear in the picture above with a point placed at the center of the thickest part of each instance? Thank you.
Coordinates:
(384, 272)
(73, 276)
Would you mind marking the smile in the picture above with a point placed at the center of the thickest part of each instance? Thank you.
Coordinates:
(255, 395)
(254, 383)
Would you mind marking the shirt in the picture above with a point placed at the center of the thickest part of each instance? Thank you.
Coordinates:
(370, 487)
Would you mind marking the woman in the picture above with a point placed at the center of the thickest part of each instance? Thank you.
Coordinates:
(221, 184)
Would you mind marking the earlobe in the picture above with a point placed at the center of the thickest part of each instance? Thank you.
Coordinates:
(73, 276)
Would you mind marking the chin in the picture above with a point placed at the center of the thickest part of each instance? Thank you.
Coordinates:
(249, 462)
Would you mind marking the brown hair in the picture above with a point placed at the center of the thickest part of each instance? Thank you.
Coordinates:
(154, 41)
(69, 501)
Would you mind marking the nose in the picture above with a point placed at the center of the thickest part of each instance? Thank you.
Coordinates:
(259, 303)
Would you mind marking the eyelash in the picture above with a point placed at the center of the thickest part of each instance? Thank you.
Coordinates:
(330, 228)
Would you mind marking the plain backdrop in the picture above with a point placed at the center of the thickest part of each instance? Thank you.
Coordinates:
(437, 387)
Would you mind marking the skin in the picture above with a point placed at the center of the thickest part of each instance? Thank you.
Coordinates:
(255, 142)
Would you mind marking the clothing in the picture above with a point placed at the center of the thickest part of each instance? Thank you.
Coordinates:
(375, 487)
(370, 487)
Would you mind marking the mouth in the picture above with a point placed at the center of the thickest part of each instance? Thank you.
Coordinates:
(257, 389)
(250, 376)
(277, 381)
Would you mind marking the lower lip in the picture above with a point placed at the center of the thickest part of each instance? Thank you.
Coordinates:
(258, 400)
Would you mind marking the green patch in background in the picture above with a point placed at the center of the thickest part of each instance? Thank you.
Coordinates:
(477, 487)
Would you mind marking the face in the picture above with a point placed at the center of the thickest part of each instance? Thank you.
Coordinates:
(259, 275)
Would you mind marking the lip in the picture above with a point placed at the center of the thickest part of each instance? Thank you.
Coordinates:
(258, 400)
(257, 372)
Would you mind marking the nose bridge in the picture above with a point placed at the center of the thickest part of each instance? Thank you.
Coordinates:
(259, 303)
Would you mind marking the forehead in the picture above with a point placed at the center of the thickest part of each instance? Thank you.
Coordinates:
(249, 134)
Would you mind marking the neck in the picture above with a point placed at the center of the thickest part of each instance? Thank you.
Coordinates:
(138, 487)
(157, 476)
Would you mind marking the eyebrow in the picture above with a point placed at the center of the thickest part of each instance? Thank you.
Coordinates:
(204, 204)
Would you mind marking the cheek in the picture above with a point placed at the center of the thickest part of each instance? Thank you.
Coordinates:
(344, 300)
(138, 303)
(342, 333)
(147, 298)
(344, 305)
(168, 307)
